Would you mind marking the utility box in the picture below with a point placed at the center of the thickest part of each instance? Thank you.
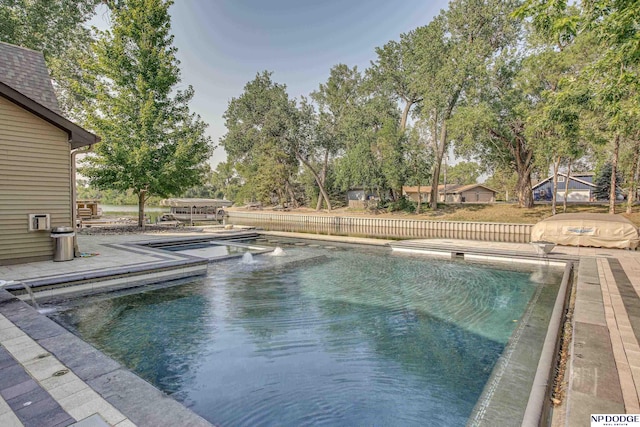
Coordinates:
(63, 237)
(39, 222)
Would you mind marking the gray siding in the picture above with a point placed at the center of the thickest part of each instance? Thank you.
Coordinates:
(479, 195)
(34, 178)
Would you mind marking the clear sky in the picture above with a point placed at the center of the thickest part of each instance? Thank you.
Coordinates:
(223, 44)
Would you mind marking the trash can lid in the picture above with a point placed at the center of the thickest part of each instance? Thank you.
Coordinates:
(63, 229)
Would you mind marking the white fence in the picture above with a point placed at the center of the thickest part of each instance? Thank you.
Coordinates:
(384, 227)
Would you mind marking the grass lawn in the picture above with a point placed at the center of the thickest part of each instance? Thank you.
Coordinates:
(498, 212)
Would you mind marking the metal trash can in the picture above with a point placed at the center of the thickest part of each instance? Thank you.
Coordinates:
(63, 237)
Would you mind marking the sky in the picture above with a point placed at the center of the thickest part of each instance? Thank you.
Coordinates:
(223, 44)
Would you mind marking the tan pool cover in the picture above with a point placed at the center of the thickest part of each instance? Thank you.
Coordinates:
(599, 230)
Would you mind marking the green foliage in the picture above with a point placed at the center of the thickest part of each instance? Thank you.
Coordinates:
(261, 124)
(602, 180)
(56, 29)
(403, 204)
(418, 156)
(505, 181)
(364, 126)
(397, 72)
(463, 173)
(151, 143)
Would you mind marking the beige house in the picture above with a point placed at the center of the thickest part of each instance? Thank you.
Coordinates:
(471, 193)
(36, 171)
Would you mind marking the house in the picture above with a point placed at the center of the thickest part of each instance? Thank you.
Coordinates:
(581, 188)
(36, 170)
(356, 197)
(453, 193)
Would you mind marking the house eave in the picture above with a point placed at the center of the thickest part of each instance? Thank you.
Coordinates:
(78, 137)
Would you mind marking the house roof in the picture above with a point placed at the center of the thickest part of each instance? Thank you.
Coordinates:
(572, 177)
(25, 71)
(423, 188)
(463, 188)
(25, 81)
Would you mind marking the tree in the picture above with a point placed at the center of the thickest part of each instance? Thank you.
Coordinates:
(225, 180)
(373, 156)
(336, 100)
(491, 126)
(262, 125)
(151, 143)
(56, 29)
(613, 76)
(453, 49)
(418, 159)
(463, 173)
(505, 181)
(603, 183)
(397, 71)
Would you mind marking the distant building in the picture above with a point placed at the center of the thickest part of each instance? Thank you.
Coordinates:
(453, 193)
(36, 192)
(357, 196)
(581, 188)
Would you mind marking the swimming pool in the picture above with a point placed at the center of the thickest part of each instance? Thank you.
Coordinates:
(325, 335)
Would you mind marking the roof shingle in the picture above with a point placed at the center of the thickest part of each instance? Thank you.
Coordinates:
(25, 71)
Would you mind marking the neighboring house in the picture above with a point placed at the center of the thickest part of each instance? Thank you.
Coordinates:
(356, 197)
(453, 193)
(360, 193)
(581, 188)
(35, 158)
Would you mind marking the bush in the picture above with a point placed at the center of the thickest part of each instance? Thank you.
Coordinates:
(403, 204)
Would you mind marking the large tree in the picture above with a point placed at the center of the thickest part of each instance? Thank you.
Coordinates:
(337, 99)
(463, 173)
(492, 127)
(261, 123)
(55, 28)
(453, 50)
(397, 71)
(151, 142)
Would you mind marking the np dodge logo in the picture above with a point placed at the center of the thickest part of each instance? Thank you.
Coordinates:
(615, 420)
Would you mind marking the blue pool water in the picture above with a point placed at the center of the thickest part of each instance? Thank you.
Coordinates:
(318, 337)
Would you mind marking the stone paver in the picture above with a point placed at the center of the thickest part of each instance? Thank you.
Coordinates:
(31, 386)
(615, 315)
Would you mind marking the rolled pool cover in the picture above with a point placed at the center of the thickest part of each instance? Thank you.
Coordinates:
(587, 229)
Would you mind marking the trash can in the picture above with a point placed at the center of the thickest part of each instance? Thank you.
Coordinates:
(63, 237)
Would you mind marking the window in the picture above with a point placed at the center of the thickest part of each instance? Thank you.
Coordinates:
(560, 178)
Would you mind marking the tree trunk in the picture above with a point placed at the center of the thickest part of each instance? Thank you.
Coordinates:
(292, 196)
(566, 188)
(554, 195)
(614, 170)
(436, 167)
(323, 178)
(141, 201)
(419, 201)
(405, 115)
(633, 186)
(525, 196)
(523, 159)
(318, 181)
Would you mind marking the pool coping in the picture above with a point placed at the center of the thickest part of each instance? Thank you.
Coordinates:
(168, 266)
(126, 377)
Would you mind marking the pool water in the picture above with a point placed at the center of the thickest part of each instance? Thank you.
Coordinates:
(213, 250)
(318, 337)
